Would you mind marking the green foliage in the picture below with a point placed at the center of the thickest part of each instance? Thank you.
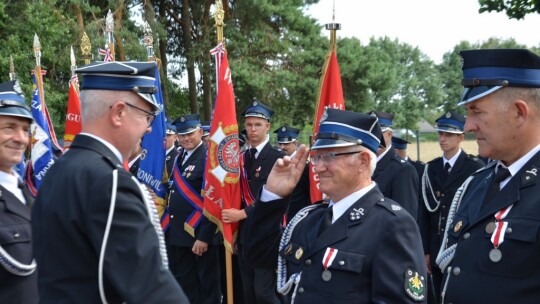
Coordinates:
(516, 9)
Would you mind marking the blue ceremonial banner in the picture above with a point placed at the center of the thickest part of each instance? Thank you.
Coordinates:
(41, 154)
(152, 164)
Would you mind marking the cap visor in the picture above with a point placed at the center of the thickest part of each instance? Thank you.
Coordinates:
(474, 93)
(324, 143)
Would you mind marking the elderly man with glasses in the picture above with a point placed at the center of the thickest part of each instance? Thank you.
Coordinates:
(359, 248)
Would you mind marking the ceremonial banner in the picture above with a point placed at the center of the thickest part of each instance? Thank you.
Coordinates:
(222, 171)
(73, 113)
(330, 96)
(41, 152)
(152, 164)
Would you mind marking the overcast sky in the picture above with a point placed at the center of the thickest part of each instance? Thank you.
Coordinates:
(435, 26)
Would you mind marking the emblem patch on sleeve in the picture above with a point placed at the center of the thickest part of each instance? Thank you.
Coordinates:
(415, 285)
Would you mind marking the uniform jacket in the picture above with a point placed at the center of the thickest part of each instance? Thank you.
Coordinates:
(474, 278)
(68, 224)
(170, 158)
(377, 243)
(16, 240)
(259, 170)
(432, 224)
(397, 179)
(180, 209)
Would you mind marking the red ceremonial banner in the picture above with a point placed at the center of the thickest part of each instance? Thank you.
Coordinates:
(73, 114)
(222, 172)
(330, 96)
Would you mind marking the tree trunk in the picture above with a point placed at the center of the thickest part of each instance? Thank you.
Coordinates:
(190, 60)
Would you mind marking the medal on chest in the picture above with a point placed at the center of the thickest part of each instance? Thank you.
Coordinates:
(498, 231)
(257, 171)
(328, 258)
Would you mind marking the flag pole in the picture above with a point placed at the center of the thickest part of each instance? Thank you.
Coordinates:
(109, 27)
(219, 16)
(37, 70)
(86, 48)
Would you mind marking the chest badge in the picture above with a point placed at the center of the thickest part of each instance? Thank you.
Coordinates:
(458, 226)
(298, 254)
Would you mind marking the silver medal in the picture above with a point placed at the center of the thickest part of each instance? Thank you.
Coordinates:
(326, 275)
(490, 227)
(495, 255)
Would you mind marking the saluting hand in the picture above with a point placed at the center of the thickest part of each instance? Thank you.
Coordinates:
(286, 172)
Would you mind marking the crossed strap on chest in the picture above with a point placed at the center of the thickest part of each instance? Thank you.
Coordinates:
(193, 197)
(247, 196)
(426, 184)
(284, 285)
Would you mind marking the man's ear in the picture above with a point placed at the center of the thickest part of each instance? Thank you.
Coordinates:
(522, 111)
(117, 113)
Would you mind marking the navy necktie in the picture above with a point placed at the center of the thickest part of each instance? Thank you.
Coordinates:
(326, 220)
(502, 174)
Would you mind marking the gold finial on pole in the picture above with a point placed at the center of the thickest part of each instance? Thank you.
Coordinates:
(109, 28)
(86, 48)
(11, 68)
(148, 41)
(219, 16)
(37, 50)
(73, 62)
(333, 28)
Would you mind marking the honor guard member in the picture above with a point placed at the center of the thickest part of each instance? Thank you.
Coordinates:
(359, 248)
(205, 125)
(191, 239)
(170, 140)
(400, 147)
(18, 275)
(287, 139)
(491, 246)
(259, 283)
(396, 178)
(97, 237)
(440, 180)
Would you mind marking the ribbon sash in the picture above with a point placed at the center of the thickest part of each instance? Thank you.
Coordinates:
(192, 197)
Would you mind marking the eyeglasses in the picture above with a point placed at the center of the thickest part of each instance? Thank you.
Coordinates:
(150, 116)
(328, 157)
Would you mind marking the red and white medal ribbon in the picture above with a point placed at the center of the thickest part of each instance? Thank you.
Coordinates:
(497, 237)
(329, 257)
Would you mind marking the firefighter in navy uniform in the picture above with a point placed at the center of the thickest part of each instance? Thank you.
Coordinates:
(491, 249)
(440, 181)
(259, 283)
(359, 248)
(171, 152)
(18, 275)
(191, 239)
(287, 140)
(396, 178)
(97, 236)
(400, 147)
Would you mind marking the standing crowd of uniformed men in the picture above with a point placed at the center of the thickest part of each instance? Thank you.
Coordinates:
(457, 229)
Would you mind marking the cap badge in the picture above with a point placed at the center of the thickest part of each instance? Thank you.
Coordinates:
(448, 115)
(182, 119)
(324, 115)
(17, 87)
(255, 103)
(283, 129)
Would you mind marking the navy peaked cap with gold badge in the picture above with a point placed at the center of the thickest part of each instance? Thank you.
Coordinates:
(286, 134)
(205, 125)
(399, 143)
(488, 70)
(340, 128)
(170, 128)
(451, 122)
(138, 77)
(385, 119)
(258, 109)
(12, 102)
(187, 123)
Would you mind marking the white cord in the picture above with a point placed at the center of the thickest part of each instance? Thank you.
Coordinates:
(15, 267)
(106, 236)
(425, 179)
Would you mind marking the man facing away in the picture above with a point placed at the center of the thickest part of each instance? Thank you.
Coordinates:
(359, 248)
(97, 235)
